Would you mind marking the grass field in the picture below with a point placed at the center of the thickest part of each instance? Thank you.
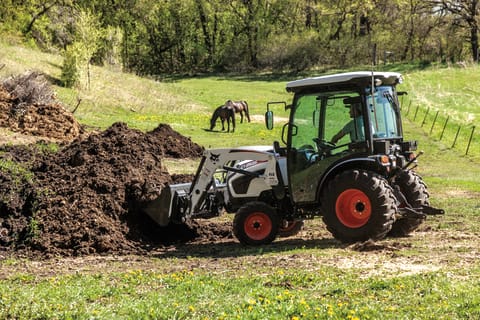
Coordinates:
(434, 274)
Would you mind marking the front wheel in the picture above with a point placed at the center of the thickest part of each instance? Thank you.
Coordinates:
(256, 223)
(358, 205)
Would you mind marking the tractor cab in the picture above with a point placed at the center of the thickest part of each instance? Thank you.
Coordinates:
(347, 160)
(348, 120)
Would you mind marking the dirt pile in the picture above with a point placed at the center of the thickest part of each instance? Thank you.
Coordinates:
(29, 106)
(86, 198)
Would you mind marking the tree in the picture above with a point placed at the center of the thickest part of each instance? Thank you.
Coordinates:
(250, 18)
(76, 66)
(170, 36)
(466, 13)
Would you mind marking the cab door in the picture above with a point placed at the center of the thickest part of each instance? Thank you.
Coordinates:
(315, 119)
(306, 124)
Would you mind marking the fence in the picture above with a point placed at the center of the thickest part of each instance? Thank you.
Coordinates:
(463, 137)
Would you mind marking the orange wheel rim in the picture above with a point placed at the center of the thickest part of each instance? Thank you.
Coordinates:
(353, 208)
(258, 226)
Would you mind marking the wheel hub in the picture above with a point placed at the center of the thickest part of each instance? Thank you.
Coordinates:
(359, 207)
(258, 226)
(353, 208)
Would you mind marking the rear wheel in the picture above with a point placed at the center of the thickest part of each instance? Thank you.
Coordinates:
(290, 228)
(256, 223)
(358, 205)
(415, 192)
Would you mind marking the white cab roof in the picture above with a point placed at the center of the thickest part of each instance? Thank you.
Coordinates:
(340, 77)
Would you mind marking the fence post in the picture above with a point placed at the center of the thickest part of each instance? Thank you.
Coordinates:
(456, 136)
(425, 118)
(470, 140)
(444, 126)
(416, 111)
(408, 109)
(434, 120)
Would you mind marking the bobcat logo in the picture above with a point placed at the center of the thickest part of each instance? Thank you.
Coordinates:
(214, 157)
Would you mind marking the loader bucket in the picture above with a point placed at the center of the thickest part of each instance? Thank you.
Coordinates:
(165, 206)
(159, 208)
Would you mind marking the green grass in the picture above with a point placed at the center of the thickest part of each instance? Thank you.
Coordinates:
(187, 103)
(327, 293)
(18, 173)
(453, 91)
(444, 102)
(431, 275)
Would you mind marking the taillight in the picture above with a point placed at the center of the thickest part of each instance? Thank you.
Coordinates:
(385, 160)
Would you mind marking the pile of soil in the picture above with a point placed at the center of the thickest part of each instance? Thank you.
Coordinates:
(87, 197)
(29, 106)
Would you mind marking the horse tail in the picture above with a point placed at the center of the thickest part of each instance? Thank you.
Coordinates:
(246, 110)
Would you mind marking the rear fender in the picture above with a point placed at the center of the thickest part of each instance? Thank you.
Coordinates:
(349, 164)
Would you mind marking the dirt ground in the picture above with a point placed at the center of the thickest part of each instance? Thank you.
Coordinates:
(425, 251)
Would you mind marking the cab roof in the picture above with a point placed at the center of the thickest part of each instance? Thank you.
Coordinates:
(355, 78)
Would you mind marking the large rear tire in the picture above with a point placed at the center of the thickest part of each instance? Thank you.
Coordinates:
(358, 205)
(415, 192)
(256, 223)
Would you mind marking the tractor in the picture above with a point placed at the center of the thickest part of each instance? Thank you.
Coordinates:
(342, 158)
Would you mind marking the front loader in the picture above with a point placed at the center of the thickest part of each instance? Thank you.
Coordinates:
(363, 186)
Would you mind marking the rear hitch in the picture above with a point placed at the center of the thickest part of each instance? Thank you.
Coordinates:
(432, 211)
(420, 213)
(412, 213)
(406, 210)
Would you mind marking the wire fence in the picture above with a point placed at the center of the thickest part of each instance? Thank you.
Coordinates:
(439, 125)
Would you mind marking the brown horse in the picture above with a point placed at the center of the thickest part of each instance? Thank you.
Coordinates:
(224, 113)
(240, 107)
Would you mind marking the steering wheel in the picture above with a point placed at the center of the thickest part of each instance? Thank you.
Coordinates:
(324, 145)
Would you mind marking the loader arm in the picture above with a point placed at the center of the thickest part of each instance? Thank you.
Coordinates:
(216, 159)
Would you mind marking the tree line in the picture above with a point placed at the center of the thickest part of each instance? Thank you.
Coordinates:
(187, 36)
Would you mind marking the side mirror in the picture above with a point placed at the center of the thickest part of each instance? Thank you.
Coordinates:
(269, 119)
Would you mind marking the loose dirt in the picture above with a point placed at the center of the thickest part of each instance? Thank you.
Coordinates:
(87, 197)
(28, 106)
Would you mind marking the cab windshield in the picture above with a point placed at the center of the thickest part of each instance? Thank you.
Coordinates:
(383, 116)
